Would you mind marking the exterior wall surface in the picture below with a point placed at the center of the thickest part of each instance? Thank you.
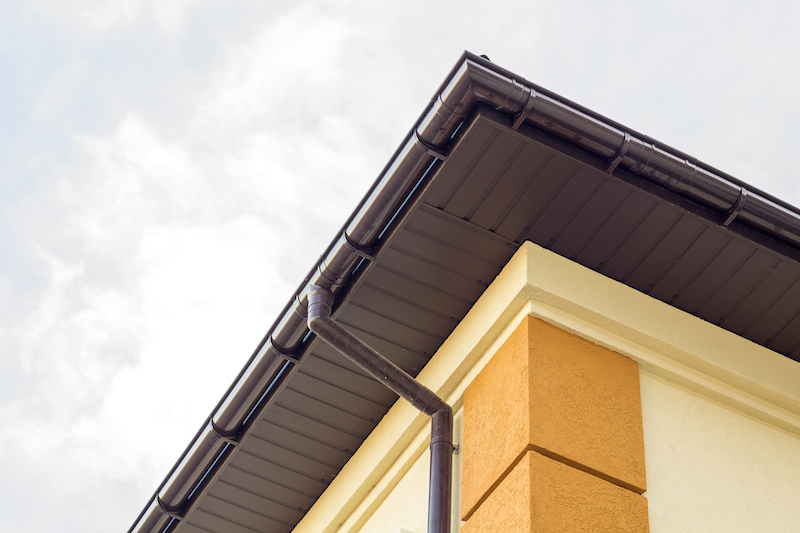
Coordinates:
(711, 468)
(553, 438)
(719, 423)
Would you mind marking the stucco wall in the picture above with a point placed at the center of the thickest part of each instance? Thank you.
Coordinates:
(711, 468)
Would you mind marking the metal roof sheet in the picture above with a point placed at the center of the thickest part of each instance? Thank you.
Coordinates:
(504, 181)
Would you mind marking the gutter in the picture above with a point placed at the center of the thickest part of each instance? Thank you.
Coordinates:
(398, 189)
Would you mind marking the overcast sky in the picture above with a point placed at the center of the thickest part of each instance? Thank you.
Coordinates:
(170, 170)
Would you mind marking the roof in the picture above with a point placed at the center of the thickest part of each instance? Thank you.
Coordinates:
(493, 161)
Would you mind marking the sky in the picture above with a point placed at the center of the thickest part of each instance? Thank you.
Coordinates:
(171, 169)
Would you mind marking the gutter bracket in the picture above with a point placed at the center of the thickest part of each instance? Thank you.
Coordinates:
(292, 358)
(429, 148)
(290, 354)
(230, 438)
(176, 514)
(361, 251)
(526, 111)
(737, 207)
(623, 148)
(283, 354)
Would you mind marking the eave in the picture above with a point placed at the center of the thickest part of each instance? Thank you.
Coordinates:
(493, 161)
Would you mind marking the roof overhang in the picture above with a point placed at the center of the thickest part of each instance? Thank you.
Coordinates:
(493, 161)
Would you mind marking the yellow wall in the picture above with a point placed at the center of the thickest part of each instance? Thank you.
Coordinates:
(711, 468)
(721, 416)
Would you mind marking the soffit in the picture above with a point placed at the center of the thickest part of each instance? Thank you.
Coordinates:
(498, 188)
(522, 186)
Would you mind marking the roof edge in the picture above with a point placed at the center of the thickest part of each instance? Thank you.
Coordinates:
(473, 81)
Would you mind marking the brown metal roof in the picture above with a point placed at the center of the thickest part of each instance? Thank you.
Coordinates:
(503, 180)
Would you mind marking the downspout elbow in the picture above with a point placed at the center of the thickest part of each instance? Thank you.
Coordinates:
(320, 304)
(320, 301)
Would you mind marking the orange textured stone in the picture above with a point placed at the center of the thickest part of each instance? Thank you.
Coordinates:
(545, 496)
(553, 392)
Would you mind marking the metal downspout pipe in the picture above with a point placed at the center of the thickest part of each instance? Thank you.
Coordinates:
(320, 302)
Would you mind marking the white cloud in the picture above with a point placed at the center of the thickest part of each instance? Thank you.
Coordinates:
(167, 251)
(101, 16)
(92, 15)
(170, 15)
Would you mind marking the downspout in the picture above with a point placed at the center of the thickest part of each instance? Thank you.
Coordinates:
(320, 303)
